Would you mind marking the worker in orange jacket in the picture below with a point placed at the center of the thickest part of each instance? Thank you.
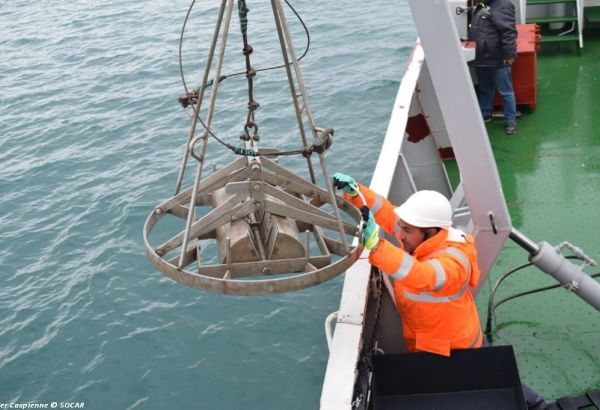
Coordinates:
(432, 271)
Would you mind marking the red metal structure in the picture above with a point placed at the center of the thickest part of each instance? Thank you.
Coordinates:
(524, 68)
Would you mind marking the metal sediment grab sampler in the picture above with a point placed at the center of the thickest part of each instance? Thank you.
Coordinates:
(265, 219)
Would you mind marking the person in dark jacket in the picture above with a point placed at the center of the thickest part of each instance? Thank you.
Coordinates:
(493, 28)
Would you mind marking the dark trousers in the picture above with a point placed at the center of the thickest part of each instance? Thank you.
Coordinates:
(496, 78)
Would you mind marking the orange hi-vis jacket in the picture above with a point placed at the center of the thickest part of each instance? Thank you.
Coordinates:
(431, 286)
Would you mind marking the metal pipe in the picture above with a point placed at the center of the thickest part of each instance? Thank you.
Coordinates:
(333, 200)
(260, 247)
(211, 54)
(297, 70)
(307, 249)
(523, 241)
(227, 258)
(280, 23)
(213, 97)
(329, 328)
(551, 261)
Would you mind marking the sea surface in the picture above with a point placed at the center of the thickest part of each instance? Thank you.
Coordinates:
(91, 138)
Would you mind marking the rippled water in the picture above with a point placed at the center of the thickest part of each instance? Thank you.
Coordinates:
(90, 140)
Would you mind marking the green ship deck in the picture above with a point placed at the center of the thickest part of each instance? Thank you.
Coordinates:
(550, 172)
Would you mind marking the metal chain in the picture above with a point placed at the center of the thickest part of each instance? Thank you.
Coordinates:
(363, 380)
(250, 128)
(379, 295)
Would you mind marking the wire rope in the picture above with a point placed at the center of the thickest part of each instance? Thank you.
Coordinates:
(239, 150)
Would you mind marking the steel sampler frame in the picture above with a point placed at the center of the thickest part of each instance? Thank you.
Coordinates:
(254, 191)
(265, 193)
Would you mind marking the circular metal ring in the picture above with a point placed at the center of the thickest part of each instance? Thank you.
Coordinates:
(293, 281)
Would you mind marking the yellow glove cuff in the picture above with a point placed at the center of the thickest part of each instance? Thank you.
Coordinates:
(372, 241)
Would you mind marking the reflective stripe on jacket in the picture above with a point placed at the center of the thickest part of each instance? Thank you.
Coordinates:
(432, 286)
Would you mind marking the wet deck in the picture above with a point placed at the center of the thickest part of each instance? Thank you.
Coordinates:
(550, 173)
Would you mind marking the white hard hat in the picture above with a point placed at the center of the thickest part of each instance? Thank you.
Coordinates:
(426, 209)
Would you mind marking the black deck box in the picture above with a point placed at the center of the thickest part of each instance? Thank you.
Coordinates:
(470, 379)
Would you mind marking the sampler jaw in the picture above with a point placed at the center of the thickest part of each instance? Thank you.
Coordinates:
(264, 220)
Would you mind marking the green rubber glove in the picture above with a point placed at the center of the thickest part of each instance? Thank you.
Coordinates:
(370, 232)
(346, 183)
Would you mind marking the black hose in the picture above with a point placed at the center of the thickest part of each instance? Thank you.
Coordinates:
(492, 306)
(532, 291)
(490, 311)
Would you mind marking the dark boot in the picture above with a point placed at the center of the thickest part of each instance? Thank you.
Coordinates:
(511, 128)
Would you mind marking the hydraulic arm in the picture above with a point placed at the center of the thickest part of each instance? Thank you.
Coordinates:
(550, 260)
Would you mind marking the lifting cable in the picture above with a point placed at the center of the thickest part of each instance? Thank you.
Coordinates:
(492, 306)
(362, 384)
(250, 74)
(327, 134)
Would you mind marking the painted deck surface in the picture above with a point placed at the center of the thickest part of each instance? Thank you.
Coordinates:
(550, 172)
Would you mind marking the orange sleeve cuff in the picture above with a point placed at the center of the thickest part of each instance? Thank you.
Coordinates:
(386, 256)
(355, 200)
